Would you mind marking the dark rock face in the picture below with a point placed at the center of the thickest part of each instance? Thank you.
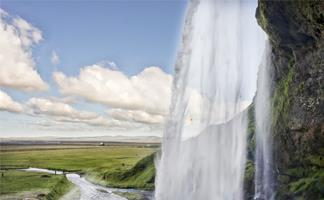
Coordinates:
(296, 33)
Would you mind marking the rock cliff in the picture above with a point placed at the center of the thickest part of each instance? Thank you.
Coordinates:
(296, 33)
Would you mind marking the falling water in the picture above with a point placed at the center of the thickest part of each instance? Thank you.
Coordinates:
(263, 157)
(204, 144)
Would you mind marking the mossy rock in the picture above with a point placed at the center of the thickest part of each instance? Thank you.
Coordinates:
(296, 33)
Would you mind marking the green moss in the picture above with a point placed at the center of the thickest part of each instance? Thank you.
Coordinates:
(301, 87)
(249, 167)
(282, 100)
(249, 170)
(251, 133)
(262, 20)
(296, 173)
(309, 187)
(317, 160)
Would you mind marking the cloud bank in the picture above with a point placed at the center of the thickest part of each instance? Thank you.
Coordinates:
(59, 111)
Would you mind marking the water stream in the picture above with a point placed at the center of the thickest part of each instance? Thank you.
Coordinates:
(91, 191)
(264, 184)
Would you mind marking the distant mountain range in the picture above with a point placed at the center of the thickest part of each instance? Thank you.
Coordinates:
(130, 139)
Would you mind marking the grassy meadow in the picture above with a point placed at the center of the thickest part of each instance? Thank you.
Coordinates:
(126, 166)
(75, 159)
(15, 184)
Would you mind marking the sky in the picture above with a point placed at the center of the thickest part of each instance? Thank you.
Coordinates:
(95, 68)
(87, 68)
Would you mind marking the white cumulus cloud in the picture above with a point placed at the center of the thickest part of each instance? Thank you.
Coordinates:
(148, 91)
(7, 104)
(17, 66)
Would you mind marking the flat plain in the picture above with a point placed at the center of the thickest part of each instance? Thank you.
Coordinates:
(94, 161)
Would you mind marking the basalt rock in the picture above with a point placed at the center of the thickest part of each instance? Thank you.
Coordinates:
(296, 33)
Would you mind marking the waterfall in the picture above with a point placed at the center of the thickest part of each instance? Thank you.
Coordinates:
(204, 143)
(264, 186)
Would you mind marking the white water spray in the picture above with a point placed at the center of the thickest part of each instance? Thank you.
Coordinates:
(264, 185)
(204, 148)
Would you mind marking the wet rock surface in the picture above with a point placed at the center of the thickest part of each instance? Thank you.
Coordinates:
(296, 33)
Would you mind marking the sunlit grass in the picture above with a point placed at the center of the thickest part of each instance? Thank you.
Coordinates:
(83, 159)
(94, 161)
(14, 181)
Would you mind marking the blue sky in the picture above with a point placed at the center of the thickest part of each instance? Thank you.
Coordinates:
(114, 66)
(132, 34)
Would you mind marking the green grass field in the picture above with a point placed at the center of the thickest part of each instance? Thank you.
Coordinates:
(16, 181)
(39, 185)
(82, 159)
(108, 165)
